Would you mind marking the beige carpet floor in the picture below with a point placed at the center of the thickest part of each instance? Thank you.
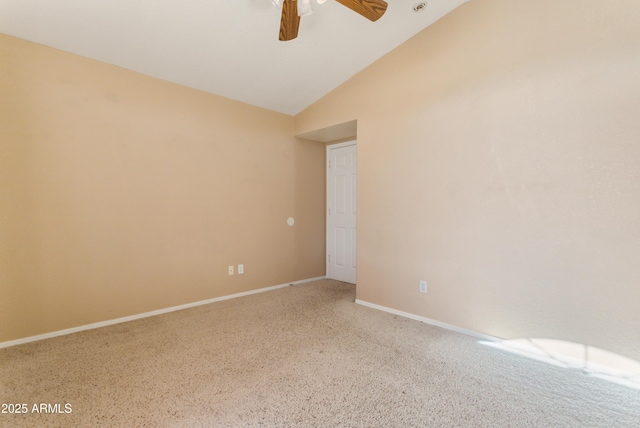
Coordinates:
(304, 355)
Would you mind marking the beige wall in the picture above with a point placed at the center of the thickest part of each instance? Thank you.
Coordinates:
(121, 194)
(499, 159)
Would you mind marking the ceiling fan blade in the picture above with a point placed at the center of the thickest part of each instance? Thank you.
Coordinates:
(290, 21)
(370, 9)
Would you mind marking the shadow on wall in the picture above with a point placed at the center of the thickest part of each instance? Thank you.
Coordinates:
(590, 360)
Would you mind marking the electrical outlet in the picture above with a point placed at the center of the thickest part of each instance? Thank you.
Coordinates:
(231, 270)
(240, 269)
(423, 286)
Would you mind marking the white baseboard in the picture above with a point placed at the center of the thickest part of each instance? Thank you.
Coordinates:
(429, 321)
(148, 314)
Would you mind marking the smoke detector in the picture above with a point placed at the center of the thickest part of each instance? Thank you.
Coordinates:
(419, 7)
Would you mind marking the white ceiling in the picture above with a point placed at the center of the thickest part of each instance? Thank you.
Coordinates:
(226, 47)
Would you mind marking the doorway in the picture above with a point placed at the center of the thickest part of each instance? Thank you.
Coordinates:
(341, 211)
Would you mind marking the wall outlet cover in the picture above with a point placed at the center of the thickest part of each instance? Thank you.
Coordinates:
(423, 286)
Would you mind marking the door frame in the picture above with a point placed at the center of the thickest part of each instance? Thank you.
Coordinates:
(353, 142)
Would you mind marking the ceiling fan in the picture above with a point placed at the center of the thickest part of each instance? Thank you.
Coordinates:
(292, 10)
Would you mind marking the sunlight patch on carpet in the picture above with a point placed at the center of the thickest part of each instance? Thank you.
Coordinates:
(592, 361)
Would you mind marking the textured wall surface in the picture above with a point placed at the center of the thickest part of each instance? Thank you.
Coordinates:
(121, 194)
(498, 159)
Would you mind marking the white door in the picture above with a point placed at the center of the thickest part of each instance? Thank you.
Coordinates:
(341, 212)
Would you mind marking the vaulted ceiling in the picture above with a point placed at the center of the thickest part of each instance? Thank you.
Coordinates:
(226, 47)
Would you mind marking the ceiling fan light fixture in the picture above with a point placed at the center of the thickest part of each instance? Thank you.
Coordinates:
(304, 7)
